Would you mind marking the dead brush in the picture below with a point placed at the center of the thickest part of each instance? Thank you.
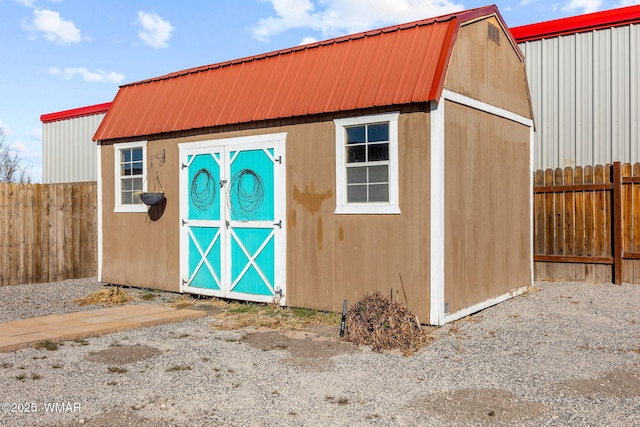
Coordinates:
(112, 296)
(382, 324)
(183, 301)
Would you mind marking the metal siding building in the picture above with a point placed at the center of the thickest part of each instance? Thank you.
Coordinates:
(68, 152)
(583, 77)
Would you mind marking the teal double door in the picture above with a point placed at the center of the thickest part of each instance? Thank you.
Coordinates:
(232, 218)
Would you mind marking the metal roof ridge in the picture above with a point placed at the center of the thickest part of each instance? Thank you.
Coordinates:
(603, 19)
(76, 112)
(462, 16)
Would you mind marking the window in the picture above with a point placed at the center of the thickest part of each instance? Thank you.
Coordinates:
(367, 164)
(130, 176)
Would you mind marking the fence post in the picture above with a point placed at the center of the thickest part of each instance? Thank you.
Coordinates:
(616, 232)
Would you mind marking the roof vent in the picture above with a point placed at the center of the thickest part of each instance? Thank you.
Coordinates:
(493, 33)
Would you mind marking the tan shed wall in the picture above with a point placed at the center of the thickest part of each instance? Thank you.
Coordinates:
(138, 251)
(329, 257)
(487, 211)
(336, 257)
(486, 71)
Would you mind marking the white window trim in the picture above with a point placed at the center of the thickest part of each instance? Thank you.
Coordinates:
(393, 205)
(119, 207)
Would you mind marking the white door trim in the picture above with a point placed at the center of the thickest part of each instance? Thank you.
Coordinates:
(226, 145)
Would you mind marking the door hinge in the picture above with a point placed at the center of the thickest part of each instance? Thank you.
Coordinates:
(278, 160)
(226, 223)
(184, 166)
(222, 182)
(278, 224)
(184, 222)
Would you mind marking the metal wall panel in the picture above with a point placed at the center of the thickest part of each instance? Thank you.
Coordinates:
(68, 152)
(586, 97)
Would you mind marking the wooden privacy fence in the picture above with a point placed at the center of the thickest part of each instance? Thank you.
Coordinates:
(587, 223)
(48, 232)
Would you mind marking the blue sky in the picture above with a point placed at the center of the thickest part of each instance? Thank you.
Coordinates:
(62, 54)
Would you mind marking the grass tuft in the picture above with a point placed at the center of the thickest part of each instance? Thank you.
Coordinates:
(178, 368)
(46, 345)
(242, 315)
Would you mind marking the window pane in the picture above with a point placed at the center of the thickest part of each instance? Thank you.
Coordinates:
(137, 168)
(379, 193)
(136, 199)
(378, 152)
(136, 154)
(356, 154)
(379, 173)
(126, 184)
(126, 169)
(355, 135)
(379, 132)
(126, 155)
(356, 175)
(356, 193)
(137, 184)
(126, 198)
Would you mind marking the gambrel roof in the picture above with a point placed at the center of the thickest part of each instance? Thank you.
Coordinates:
(396, 65)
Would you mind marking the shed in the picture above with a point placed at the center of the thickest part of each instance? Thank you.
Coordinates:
(68, 151)
(583, 74)
(395, 160)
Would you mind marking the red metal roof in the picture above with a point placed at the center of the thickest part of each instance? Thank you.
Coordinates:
(578, 24)
(391, 66)
(76, 112)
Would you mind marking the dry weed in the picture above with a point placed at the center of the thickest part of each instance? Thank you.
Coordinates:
(184, 300)
(111, 296)
(383, 324)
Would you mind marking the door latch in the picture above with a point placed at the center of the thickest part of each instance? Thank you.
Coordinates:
(278, 224)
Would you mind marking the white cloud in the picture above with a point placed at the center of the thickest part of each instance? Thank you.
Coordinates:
(86, 75)
(583, 6)
(19, 147)
(27, 3)
(55, 29)
(341, 17)
(308, 40)
(7, 130)
(155, 31)
(624, 3)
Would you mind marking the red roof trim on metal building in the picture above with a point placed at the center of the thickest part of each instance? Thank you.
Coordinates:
(396, 65)
(577, 24)
(76, 112)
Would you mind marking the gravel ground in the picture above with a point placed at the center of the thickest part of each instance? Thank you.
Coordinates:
(565, 354)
